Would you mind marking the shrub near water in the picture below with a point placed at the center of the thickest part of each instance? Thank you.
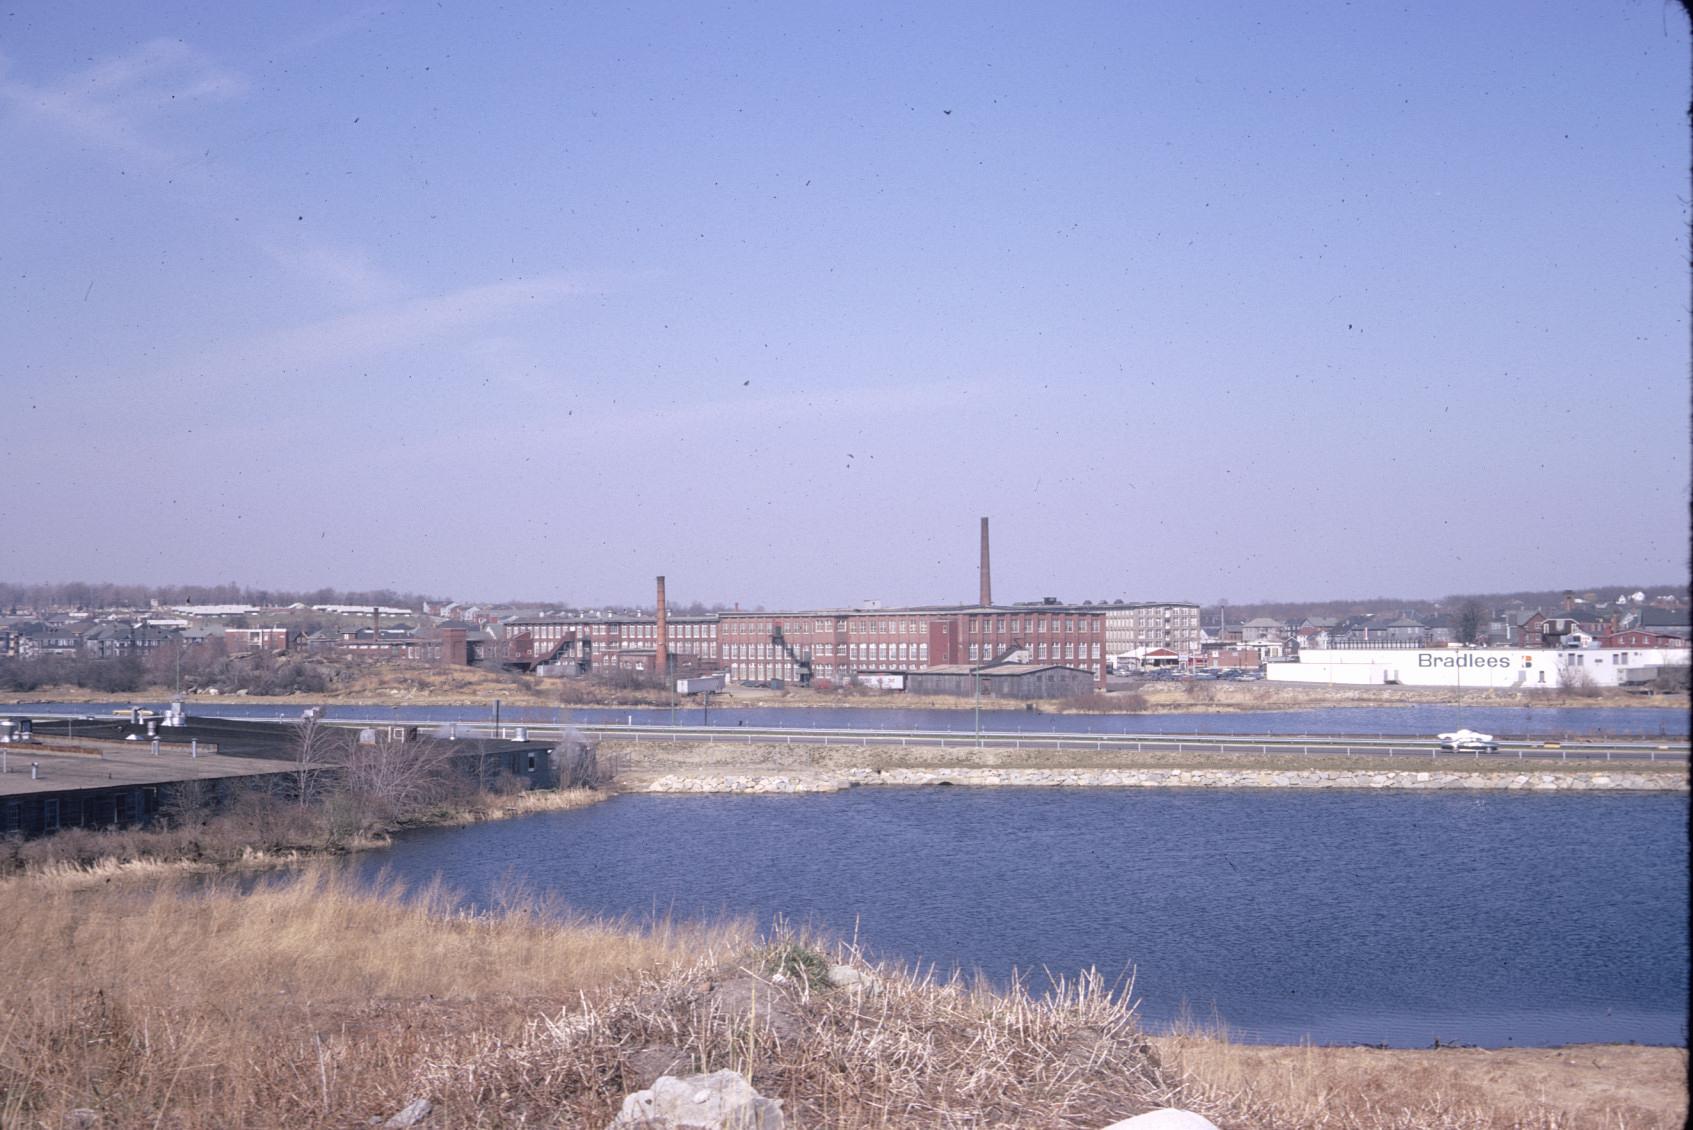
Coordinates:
(795, 961)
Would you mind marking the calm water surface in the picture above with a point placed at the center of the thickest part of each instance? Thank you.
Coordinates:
(1387, 918)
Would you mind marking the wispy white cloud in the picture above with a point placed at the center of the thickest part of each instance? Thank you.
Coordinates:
(119, 107)
(115, 103)
(345, 24)
(512, 365)
(844, 405)
(349, 276)
(389, 328)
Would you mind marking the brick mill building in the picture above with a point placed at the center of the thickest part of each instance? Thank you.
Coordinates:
(586, 642)
(832, 646)
(1141, 627)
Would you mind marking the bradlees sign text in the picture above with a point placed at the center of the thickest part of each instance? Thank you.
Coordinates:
(1462, 659)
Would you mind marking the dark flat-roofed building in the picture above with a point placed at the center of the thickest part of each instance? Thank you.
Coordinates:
(1023, 681)
(104, 773)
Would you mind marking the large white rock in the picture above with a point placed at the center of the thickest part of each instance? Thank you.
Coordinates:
(856, 980)
(722, 1100)
(1167, 1119)
(413, 1113)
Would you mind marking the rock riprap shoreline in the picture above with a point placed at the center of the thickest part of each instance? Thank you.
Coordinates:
(834, 780)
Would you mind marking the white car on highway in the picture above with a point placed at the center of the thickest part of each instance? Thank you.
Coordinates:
(1468, 741)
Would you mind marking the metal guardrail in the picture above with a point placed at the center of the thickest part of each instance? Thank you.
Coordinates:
(1262, 745)
(1589, 748)
(1251, 744)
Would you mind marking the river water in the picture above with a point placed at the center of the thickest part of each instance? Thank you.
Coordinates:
(1349, 917)
(1503, 721)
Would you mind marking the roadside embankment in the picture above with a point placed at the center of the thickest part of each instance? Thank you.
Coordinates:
(408, 685)
(713, 767)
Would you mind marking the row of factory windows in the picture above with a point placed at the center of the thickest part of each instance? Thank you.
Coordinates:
(673, 631)
(1036, 625)
(756, 670)
(766, 628)
(920, 626)
(1042, 652)
(853, 626)
(867, 651)
(979, 625)
(909, 652)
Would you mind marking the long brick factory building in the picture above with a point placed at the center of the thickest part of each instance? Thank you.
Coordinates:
(828, 646)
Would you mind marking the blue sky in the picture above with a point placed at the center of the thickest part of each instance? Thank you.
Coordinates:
(777, 300)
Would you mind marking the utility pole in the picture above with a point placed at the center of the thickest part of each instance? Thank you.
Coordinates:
(976, 682)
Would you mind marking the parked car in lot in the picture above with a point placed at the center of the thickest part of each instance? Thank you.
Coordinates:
(1468, 741)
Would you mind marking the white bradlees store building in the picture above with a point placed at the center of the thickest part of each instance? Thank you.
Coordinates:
(1528, 668)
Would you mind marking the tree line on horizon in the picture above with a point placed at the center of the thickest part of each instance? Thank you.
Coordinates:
(1422, 606)
(88, 595)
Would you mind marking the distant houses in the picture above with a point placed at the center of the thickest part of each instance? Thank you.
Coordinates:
(838, 646)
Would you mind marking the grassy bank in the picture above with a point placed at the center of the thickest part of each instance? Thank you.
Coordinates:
(640, 761)
(258, 830)
(310, 1003)
(419, 684)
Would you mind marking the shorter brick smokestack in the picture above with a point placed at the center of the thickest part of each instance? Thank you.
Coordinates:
(987, 573)
(662, 663)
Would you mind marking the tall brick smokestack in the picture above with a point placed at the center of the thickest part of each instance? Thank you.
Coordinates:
(987, 574)
(663, 649)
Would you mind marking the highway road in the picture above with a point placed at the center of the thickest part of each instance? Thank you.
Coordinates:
(1672, 750)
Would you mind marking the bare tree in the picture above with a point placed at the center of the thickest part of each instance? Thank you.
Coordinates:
(319, 750)
(578, 764)
(189, 804)
(1577, 683)
(390, 777)
(1672, 678)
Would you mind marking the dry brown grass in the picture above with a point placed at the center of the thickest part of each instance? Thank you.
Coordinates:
(258, 830)
(309, 1002)
(412, 682)
(1100, 702)
(642, 759)
(918, 1052)
(1577, 1088)
(304, 1003)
